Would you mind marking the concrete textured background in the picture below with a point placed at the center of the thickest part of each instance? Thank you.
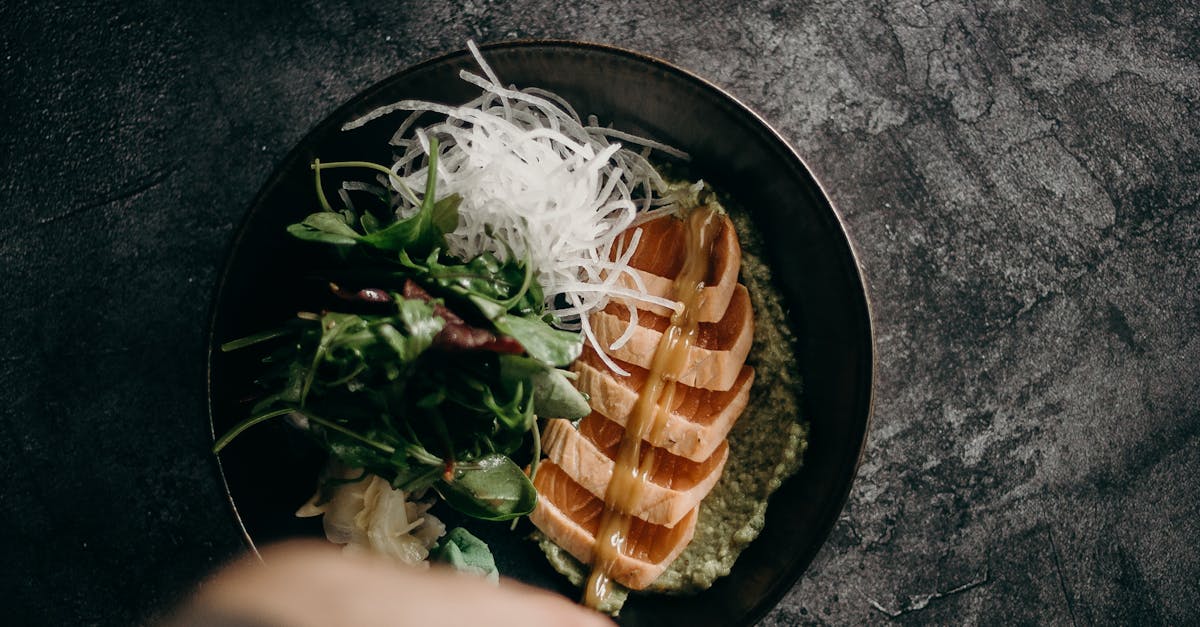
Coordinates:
(1021, 179)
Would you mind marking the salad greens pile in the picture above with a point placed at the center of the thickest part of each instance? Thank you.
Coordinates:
(434, 371)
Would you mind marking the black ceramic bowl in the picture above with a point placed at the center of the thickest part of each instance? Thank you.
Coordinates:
(270, 471)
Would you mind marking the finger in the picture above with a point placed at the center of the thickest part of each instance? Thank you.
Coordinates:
(302, 584)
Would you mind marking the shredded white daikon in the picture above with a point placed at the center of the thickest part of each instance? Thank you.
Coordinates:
(535, 179)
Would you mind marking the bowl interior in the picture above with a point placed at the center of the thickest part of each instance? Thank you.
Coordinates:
(270, 470)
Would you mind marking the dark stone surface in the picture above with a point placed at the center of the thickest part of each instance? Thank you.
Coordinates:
(1021, 180)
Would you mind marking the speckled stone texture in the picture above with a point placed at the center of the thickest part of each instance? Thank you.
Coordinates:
(1020, 179)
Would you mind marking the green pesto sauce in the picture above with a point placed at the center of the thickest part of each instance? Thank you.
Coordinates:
(731, 516)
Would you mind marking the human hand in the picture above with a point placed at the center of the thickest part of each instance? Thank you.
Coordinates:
(310, 584)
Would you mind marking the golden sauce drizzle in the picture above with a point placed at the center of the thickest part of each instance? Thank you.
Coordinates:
(670, 362)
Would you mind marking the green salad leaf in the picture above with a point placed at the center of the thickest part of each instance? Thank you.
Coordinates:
(420, 233)
(491, 488)
(325, 227)
(552, 391)
(553, 346)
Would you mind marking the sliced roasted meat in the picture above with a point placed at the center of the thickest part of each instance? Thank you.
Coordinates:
(675, 485)
(659, 258)
(716, 356)
(569, 514)
(694, 426)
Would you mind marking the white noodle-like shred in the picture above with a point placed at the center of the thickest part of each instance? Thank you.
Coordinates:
(534, 179)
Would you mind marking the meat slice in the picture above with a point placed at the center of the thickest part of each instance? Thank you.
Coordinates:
(715, 358)
(659, 258)
(570, 516)
(675, 485)
(695, 425)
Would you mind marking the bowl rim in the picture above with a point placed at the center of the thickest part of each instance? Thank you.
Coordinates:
(339, 115)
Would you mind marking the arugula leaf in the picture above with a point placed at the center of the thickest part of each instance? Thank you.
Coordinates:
(515, 415)
(333, 324)
(466, 553)
(552, 393)
(490, 488)
(237, 429)
(353, 454)
(421, 325)
(412, 478)
(556, 397)
(489, 308)
(369, 222)
(445, 213)
(425, 230)
(422, 232)
(256, 338)
(419, 232)
(484, 277)
(553, 346)
(327, 227)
